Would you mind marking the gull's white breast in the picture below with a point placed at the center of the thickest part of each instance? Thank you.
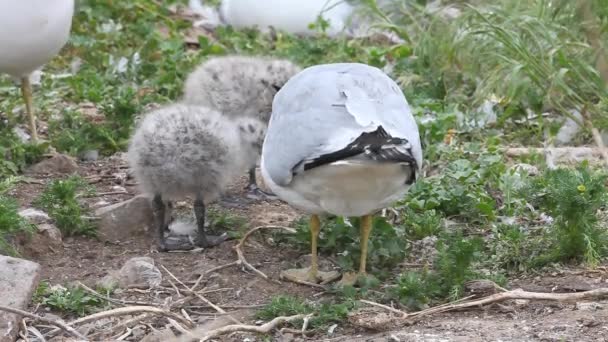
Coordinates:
(32, 32)
(346, 188)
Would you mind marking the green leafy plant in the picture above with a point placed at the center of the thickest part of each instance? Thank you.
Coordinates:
(452, 268)
(420, 224)
(71, 300)
(10, 223)
(461, 189)
(386, 245)
(60, 201)
(573, 198)
(323, 314)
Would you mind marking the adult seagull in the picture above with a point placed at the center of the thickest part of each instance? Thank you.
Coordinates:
(31, 33)
(341, 140)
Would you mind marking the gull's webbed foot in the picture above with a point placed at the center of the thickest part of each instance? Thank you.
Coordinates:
(306, 274)
(255, 193)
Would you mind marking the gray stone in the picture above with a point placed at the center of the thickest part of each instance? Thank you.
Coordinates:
(125, 220)
(90, 155)
(47, 239)
(159, 336)
(59, 163)
(139, 271)
(18, 280)
(109, 282)
(35, 216)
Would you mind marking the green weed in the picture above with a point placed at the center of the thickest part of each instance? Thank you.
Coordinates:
(386, 245)
(71, 300)
(11, 223)
(573, 198)
(420, 224)
(324, 314)
(226, 221)
(60, 201)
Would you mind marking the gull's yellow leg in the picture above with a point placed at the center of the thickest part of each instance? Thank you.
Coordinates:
(26, 91)
(315, 227)
(350, 278)
(366, 228)
(311, 274)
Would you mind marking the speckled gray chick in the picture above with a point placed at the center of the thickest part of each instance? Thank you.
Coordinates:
(183, 150)
(239, 85)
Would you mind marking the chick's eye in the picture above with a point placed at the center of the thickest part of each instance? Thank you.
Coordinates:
(276, 87)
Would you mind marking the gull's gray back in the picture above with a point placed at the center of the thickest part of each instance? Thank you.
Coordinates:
(321, 100)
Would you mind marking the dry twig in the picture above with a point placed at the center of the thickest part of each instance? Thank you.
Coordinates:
(239, 249)
(205, 335)
(495, 298)
(121, 325)
(60, 325)
(109, 299)
(129, 310)
(201, 297)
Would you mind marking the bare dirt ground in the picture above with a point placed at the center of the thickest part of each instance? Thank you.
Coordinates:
(240, 292)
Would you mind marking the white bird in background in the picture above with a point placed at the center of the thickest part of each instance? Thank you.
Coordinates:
(341, 140)
(31, 33)
(293, 16)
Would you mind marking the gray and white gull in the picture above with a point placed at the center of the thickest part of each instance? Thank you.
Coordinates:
(343, 141)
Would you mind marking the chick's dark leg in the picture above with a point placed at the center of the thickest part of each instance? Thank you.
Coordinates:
(254, 192)
(202, 239)
(159, 211)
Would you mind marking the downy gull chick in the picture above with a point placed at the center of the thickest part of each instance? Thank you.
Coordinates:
(342, 141)
(182, 150)
(239, 86)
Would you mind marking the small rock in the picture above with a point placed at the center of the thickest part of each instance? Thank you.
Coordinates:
(18, 280)
(124, 220)
(21, 134)
(100, 204)
(139, 271)
(394, 338)
(589, 306)
(35, 216)
(59, 163)
(46, 240)
(109, 282)
(90, 155)
(119, 188)
(568, 130)
(159, 336)
(287, 337)
(526, 169)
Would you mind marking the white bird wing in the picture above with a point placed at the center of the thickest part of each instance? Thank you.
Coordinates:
(325, 108)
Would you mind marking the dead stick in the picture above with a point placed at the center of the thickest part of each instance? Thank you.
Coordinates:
(596, 135)
(201, 297)
(205, 335)
(509, 295)
(62, 326)
(119, 326)
(215, 269)
(241, 256)
(129, 310)
(385, 307)
(559, 151)
(109, 299)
